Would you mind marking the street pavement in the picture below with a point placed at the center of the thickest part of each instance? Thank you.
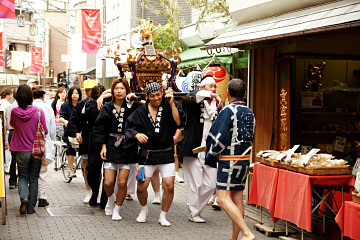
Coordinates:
(79, 221)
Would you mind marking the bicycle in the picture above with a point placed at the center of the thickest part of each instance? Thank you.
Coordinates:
(62, 161)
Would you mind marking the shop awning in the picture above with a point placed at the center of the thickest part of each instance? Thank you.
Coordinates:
(193, 56)
(330, 16)
(9, 79)
(91, 70)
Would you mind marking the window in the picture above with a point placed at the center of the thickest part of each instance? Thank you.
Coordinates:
(12, 47)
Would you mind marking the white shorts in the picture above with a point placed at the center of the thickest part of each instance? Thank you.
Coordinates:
(86, 156)
(116, 166)
(166, 170)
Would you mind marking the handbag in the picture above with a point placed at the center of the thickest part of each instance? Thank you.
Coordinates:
(38, 151)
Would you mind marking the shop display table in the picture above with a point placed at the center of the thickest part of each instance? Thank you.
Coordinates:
(348, 219)
(287, 195)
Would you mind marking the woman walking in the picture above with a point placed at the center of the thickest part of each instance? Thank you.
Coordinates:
(24, 119)
(74, 96)
(60, 98)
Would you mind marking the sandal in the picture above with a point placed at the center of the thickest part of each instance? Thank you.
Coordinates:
(128, 197)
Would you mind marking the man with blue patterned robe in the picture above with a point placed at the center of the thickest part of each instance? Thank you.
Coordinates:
(229, 140)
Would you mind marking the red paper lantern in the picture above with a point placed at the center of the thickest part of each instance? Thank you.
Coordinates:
(218, 73)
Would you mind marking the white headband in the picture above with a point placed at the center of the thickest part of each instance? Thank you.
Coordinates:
(207, 80)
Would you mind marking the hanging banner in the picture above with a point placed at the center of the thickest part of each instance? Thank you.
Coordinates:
(7, 9)
(36, 60)
(284, 106)
(91, 30)
(1, 52)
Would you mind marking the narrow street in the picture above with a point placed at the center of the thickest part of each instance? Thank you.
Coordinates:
(68, 218)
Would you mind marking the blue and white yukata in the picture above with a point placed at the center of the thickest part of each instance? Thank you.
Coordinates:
(231, 134)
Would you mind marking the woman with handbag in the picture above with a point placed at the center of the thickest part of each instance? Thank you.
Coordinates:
(108, 130)
(25, 120)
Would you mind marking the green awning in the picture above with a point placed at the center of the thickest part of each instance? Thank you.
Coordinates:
(194, 56)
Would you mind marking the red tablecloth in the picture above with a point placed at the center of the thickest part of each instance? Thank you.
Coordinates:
(263, 187)
(348, 219)
(289, 193)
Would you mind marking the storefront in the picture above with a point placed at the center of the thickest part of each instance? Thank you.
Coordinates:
(290, 56)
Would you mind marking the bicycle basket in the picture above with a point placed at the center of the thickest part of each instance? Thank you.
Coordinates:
(74, 144)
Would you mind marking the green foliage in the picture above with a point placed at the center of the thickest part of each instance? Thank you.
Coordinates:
(166, 37)
(211, 10)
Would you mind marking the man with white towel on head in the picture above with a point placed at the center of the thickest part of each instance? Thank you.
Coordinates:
(200, 179)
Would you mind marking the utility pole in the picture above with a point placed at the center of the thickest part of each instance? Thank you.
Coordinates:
(103, 45)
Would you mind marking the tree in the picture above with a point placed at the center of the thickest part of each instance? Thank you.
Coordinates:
(167, 36)
(211, 10)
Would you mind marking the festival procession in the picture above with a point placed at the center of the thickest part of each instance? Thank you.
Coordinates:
(180, 119)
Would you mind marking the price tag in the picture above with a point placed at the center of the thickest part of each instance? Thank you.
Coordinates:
(280, 156)
(307, 157)
(290, 152)
(357, 182)
(356, 167)
(266, 154)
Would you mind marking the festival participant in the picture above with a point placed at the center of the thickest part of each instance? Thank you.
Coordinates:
(200, 179)
(229, 139)
(154, 126)
(79, 128)
(94, 165)
(109, 132)
(131, 184)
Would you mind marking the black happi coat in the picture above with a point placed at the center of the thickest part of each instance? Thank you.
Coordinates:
(107, 123)
(140, 122)
(194, 126)
(78, 124)
(90, 115)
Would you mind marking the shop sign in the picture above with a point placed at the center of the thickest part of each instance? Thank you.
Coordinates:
(284, 106)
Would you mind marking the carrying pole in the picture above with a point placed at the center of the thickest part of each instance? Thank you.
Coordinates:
(103, 79)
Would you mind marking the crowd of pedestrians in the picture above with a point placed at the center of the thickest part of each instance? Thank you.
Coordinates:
(115, 132)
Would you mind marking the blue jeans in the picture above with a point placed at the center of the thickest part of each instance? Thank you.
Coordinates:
(28, 171)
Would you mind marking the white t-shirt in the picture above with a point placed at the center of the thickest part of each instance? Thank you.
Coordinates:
(4, 104)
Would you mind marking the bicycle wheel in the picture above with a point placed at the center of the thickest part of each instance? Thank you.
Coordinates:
(65, 166)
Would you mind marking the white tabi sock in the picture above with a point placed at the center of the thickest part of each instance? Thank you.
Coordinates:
(109, 208)
(116, 213)
(142, 215)
(157, 199)
(163, 221)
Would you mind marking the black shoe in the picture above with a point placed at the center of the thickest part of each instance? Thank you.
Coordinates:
(43, 203)
(93, 202)
(23, 206)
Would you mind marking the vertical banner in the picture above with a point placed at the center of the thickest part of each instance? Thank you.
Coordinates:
(1, 51)
(7, 9)
(284, 106)
(36, 60)
(91, 30)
